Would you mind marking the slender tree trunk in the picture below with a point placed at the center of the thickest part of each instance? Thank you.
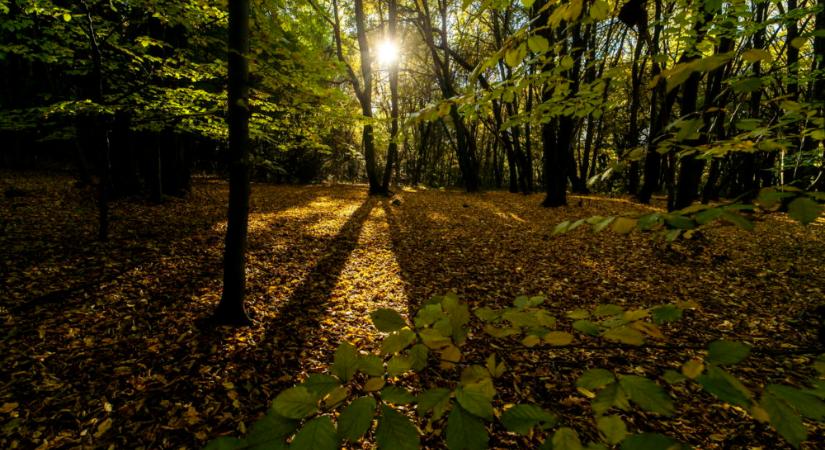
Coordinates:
(99, 131)
(554, 161)
(392, 148)
(231, 310)
(632, 139)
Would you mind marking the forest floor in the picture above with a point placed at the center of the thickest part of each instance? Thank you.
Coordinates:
(101, 345)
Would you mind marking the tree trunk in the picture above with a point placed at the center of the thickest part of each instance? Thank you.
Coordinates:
(392, 148)
(231, 310)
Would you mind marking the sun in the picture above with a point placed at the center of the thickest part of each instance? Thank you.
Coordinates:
(388, 52)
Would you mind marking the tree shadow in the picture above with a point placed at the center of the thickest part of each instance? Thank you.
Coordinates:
(130, 337)
(298, 319)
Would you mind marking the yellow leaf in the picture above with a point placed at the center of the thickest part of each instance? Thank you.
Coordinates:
(625, 335)
(336, 396)
(530, 341)
(648, 329)
(451, 353)
(558, 338)
(8, 407)
(103, 427)
(374, 384)
(756, 54)
(760, 414)
(798, 42)
(693, 368)
(623, 225)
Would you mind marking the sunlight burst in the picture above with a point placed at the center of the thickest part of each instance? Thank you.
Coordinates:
(388, 52)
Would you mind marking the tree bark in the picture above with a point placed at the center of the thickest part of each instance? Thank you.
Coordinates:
(231, 309)
(392, 148)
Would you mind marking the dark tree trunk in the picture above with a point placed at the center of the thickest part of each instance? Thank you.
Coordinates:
(231, 310)
(554, 159)
(99, 131)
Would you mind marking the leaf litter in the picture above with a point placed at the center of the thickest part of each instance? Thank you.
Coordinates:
(103, 348)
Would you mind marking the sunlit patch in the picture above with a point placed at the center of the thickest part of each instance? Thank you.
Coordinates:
(437, 216)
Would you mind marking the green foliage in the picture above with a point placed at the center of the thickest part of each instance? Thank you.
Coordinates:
(803, 207)
(356, 418)
(317, 434)
(461, 408)
(523, 418)
(727, 352)
(395, 431)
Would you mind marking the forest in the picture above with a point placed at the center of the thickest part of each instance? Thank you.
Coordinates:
(403, 224)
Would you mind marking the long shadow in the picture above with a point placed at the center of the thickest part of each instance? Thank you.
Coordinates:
(147, 337)
(299, 318)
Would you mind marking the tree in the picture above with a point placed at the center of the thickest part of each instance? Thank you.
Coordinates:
(231, 309)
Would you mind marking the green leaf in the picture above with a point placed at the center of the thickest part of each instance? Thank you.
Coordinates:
(625, 335)
(398, 364)
(356, 418)
(270, 431)
(371, 365)
(522, 418)
(475, 400)
(395, 431)
(345, 361)
(597, 228)
(612, 395)
(523, 301)
(647, 394)
(612, 428)
(608, 310)
(808, 405)
(804, 210)
(726, 353)
(578, 314)
(558, 338)
(229, 443)
(623, 225)
(756, 54)
(566, 439)
(465, 431)
(673, 377)
(387, 320)
(418, 356)
(320, 384)
(599, 10)
(433, 339)
(538, 44)
(396, 395)
(784, 419)
(397, 341)
(736, 219)
(595, 379)
(487, 314)
(428, 315)
(665, 313)
(649, 441)
(521, 318)
(680, 222)
(587, 327)
(295, 403)
(724, 386)
(436, 400)
(512, 57)
(317, 434)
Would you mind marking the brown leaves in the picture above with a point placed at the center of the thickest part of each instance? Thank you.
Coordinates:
(114, 358)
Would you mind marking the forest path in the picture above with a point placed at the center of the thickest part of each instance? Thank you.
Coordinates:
(112, 356)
